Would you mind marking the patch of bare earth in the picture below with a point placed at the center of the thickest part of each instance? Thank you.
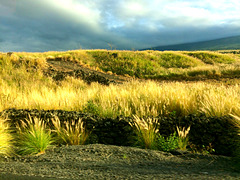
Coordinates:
(60, 69)
(98, 161)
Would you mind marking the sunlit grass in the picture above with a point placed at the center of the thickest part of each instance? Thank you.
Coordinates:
(146, 130)
(211, 57)
(183, 137)
(132, 98)
(32, 137)
(69, 132)
(24, 87)
(6, 138)
(143, 64)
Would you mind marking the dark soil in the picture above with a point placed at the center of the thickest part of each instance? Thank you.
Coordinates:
(58, 70)
(98, 161)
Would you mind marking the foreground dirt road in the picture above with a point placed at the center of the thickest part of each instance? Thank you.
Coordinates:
(112, 162)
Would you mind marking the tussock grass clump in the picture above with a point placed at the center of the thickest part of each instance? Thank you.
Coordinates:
(33, 137)
(70, 133)
(6, 138)
(149, 137)
(182, 137)
(146, 130)
(220, 101)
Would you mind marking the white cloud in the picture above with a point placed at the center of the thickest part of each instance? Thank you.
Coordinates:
(179, 12)
(78, 11)
(133, 8)
(124, 23)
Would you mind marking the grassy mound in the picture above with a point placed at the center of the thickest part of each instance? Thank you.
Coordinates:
(142, 64)
(173, 59)
(212, 57)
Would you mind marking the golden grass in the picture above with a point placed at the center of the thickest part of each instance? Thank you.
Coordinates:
(182, 137)
(183, 132)
(146, 130)
(145, 64)
(22, 87)
(5, 138)
(131, 98)
(70, 133)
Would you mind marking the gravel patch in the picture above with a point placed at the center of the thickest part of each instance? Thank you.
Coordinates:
(97, 161)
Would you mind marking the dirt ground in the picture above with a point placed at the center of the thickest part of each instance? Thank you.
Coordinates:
(98, 161)
(61, 69)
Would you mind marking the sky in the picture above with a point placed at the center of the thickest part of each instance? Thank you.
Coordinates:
(59, 25)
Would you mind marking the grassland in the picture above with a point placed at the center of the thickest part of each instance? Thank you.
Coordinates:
(24, 85)
(147, 64)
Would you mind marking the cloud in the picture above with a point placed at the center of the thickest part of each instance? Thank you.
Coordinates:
(43, 25)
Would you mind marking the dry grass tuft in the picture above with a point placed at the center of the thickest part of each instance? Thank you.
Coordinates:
(5, 138)
(70, 133)
(146, 130)
(182, 137)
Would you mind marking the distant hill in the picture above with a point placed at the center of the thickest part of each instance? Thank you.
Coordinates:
(217, 44)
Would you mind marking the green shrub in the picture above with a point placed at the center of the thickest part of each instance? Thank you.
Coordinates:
(167, 144)
(201, 148)
(141, 64)
(32, 137)
(91, 107)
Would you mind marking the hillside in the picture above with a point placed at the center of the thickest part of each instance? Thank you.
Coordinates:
(217, 44)
(118, 66)
(109, 97)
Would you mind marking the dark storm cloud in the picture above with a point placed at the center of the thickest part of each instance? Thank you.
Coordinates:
(43, 25)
